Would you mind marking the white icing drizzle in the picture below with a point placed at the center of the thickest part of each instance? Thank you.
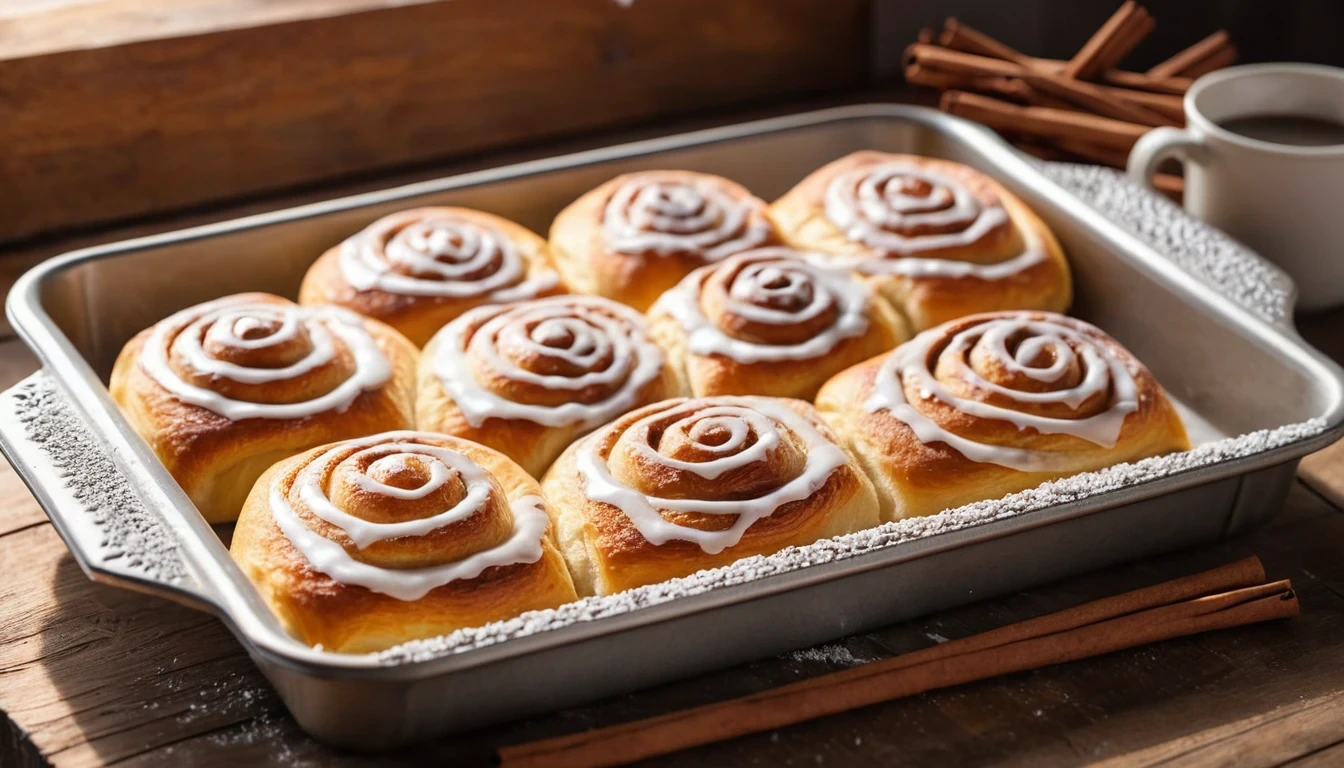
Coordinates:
(441, 255)
(228, 322)
(770, 272)
(583, 331)
(648, 215)
(740, 417)
(524, 545)
(1072, 343)
(874, 205)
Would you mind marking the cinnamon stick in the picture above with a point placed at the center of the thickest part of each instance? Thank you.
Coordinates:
(961, 37)
(959, 62)
(1042, 121)
(1124, 30)
(1091, 153)
(1145, 82)
(1098, 99)
(1170, 185)
(1166, 104)
(1213, 52)
(1165, 611)
(1005, 87)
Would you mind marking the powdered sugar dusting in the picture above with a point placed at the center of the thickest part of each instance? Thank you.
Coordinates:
(855, 544)
(129, 530)
(1196, 247)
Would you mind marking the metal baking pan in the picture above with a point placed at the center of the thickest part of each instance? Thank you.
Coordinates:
(128, 523)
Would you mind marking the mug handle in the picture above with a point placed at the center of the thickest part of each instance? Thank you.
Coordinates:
(1154, 147)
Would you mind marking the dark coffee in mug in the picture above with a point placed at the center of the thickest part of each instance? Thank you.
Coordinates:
(1292, 130)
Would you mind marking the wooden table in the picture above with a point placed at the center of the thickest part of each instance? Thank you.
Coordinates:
(93, 675)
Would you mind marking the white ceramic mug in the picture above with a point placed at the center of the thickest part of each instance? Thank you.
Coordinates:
(1285, 201)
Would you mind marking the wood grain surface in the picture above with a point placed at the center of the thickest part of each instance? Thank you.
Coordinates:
(159, 116)
(1324, 471)
(93, 675)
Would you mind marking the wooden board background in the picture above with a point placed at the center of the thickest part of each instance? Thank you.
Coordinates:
(158, 116)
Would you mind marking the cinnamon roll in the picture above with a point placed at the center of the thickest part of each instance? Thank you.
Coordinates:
(416, 270)
(996, 403)
(767, 322)
(528, 378)
(688, 484)
(635, 236)
(941, 239)
(363, 544)
(224, 389)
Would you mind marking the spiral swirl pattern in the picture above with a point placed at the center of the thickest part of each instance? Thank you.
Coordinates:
(252, 356)
(364, 511)
(768, 305)
(567, 360)
(903, 211)
(662, 216)
(1041, 371)
(743, 457)
(439, 254)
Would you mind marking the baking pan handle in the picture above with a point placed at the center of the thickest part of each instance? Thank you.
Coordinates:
(115, 536)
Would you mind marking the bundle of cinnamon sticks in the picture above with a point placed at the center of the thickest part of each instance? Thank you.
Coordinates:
(1233, 595)
(1084, 109)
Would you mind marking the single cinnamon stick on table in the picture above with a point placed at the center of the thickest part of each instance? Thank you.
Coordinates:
(1111, 43)
(1213, 52)
(1042, 121)
(1169, 610)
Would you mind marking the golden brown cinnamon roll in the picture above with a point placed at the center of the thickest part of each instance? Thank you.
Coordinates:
(637, 235)
(941, 239)
(766, 322)
(416, 270)
(224, 389)
(996, 403)
(360, 545)
(688, 484)
(528, 378)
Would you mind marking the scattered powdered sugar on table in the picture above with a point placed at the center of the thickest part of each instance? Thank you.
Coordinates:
(1196, 247)
(129, 530)
(830, 654)
(854, 544)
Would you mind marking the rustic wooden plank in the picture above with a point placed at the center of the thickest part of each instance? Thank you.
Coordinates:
(18, 510)
(1270, 738)
(1329, 757)
(48, 27)
(1324, 470)
(104, 133)
(97, 675)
